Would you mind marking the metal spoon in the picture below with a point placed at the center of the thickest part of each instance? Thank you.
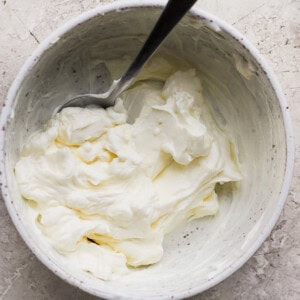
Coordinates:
(171, 15)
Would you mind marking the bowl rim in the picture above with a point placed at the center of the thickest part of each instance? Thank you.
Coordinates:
(8, 108)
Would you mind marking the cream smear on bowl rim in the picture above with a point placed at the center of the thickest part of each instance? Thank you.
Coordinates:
(269, 110)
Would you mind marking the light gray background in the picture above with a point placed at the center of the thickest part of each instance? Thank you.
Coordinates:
(273, 27)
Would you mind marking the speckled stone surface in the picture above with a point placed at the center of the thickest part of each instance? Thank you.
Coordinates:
(273, 27)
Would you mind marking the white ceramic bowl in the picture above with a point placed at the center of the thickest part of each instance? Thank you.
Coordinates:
(247, 101)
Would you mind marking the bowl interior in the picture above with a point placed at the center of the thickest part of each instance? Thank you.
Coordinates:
(244, 104)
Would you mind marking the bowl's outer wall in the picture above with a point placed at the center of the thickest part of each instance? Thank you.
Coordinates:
(246, 101)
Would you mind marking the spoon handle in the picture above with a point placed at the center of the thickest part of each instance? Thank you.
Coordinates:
(171, 15)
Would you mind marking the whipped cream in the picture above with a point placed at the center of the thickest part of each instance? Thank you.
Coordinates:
(105, 192)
